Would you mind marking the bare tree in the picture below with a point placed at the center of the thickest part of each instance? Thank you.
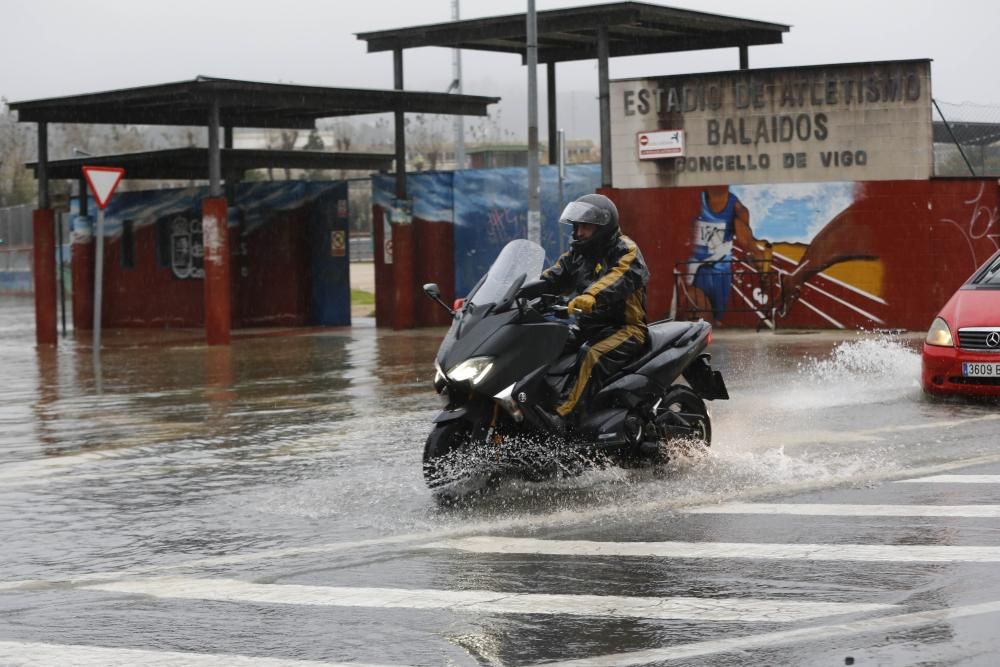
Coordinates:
(427, 139)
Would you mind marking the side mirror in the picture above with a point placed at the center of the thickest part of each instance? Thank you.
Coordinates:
(434, 292)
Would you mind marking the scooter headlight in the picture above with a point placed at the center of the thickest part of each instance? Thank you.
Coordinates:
(474, 369)
(440, 381)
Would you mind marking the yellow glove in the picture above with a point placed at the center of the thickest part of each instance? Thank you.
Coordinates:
(581, 304)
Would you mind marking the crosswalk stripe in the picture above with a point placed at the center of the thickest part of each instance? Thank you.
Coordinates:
(953, 479)
(403, 540)
(735, 550)
(781, 637)
(707, 609)
(37, 654)
(809, 509)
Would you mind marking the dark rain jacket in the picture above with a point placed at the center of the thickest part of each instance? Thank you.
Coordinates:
(616, 277)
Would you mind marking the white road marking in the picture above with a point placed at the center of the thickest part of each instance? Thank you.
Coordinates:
(489, 602)
(953, 479)
(557, 518)
(809, 509)
(37, 654)
(737, 550)
(771, 639)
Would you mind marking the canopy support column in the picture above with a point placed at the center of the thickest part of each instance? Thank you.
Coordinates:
(403, 244)
(44, 249)
(604, 102)
(215, 235)
(550, 82)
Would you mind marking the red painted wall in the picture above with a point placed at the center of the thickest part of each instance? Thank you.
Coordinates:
(274, 290)
(148, 295)
(82, 270)
(435, 249)
(433, 261)
(929, 236)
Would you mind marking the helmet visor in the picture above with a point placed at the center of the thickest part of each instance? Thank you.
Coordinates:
(583, 212)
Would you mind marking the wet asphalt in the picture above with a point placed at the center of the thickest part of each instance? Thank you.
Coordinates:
(263, 504)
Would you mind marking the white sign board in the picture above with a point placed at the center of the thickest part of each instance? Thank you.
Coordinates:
(853, 122)
(660, 144)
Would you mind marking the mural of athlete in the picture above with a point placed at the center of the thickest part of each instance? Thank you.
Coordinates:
(709, 272)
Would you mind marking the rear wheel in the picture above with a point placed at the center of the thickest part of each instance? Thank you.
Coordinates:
(685, 414)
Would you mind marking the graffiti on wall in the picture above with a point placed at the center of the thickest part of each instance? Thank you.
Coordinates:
(504, 225)
(981, 222)
(187, 248)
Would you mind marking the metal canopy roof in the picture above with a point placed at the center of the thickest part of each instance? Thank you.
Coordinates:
(975, 134)
(192, 163)
(241, 104)
(634, 28)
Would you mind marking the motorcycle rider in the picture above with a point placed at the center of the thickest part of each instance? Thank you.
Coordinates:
(607, 275)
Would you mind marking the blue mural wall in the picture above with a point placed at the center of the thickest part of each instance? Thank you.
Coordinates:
(489, 208)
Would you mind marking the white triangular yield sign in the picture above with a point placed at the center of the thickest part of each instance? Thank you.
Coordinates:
(103, 181)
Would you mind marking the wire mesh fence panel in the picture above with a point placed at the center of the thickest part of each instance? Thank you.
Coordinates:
(966, 139)
(15, 249)
(15, 226)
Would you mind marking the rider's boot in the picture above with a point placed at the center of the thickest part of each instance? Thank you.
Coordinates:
(555, 422)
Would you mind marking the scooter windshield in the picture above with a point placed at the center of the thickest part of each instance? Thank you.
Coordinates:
(517, 257)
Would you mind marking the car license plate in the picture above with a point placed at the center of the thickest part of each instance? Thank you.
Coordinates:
(971, 369)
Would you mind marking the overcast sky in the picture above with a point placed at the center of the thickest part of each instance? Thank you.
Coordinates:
(50, 48)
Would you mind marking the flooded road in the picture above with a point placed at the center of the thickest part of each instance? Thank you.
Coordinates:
(263, 504)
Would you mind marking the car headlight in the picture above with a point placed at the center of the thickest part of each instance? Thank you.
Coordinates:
(939, 334)
(474, 369)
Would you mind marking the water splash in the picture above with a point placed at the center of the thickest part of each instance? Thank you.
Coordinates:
(874, 369)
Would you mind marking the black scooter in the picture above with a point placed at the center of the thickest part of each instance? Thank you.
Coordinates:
(502, 360)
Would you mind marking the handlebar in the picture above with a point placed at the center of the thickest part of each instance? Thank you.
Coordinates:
(562, 312)
(551, 303)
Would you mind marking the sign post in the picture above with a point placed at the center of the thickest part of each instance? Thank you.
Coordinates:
(102, 182)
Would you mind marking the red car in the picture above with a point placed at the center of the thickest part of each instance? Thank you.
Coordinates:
(962, 348)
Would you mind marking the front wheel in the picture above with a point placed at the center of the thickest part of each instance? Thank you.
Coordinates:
(450, 470)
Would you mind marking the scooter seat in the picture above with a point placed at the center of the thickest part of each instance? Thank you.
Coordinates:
(661, 336)
(562, 366)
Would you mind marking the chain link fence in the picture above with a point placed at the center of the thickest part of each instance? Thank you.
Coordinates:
(966, 139)
(15, 250)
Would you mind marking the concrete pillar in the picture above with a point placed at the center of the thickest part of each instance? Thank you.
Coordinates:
(44, 273)
(218, 307)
